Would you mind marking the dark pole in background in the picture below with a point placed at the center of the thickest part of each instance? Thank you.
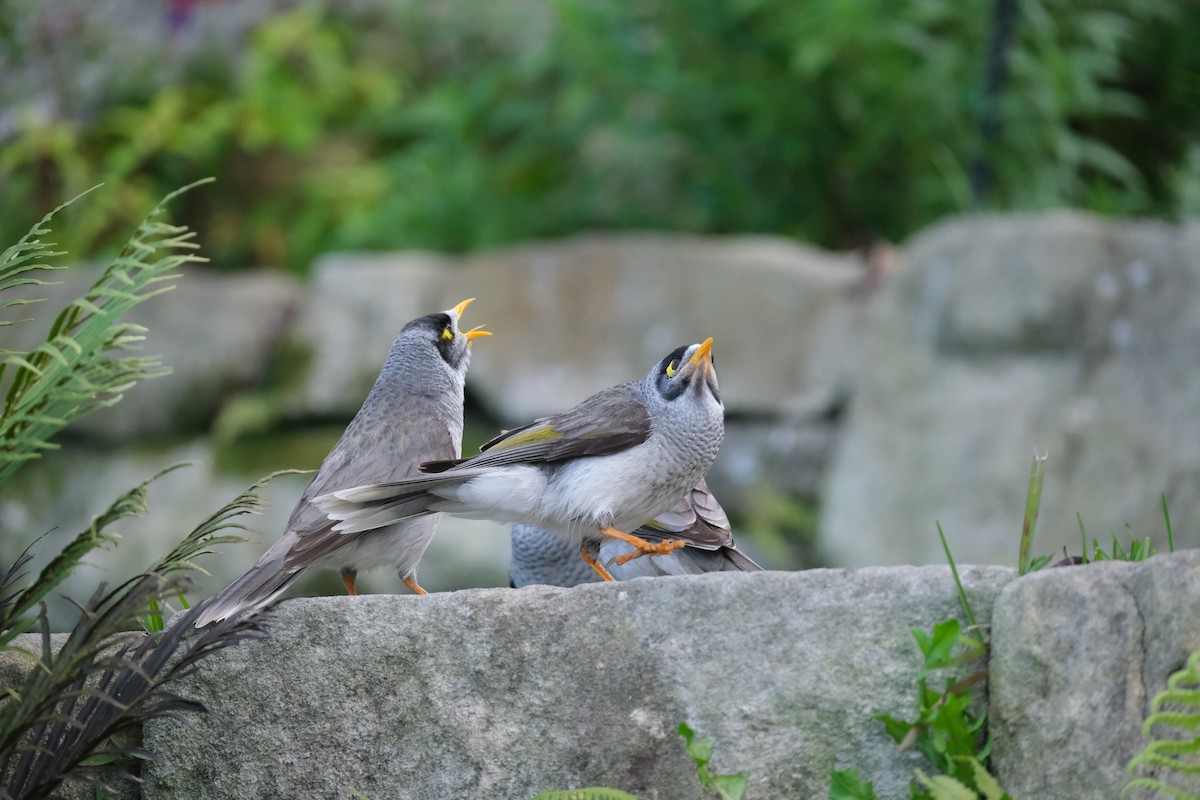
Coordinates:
(1004, 13)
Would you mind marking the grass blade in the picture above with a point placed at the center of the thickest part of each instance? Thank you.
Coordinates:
(1167, 522)
(962, 594)
(1033, 503)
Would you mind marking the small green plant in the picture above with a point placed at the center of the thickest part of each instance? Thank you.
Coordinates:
(71, 718)
(847, 784)
(946, 731)
(85, 363)
(1139, 549)
(1174, 752)
(726, 787)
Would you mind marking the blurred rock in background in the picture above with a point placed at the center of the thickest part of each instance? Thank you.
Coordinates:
(1062, 333)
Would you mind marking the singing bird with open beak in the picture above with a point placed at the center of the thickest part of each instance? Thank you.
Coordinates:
(414, 413)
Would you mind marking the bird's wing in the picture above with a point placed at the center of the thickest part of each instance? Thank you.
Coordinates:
(387, 454)
(607, 422)
(697, 518)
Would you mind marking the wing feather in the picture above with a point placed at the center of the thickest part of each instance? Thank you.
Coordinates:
(359, 457)
(697, 518)
(609, 421)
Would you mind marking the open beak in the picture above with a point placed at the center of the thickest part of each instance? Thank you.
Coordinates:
(701, 352)
(475, 332)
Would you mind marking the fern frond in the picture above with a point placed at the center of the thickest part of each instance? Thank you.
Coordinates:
(1173, 728)
(102, 683)
(204, 535)
(84, 364)
(132, 503)
(19, 259)
(105, 680)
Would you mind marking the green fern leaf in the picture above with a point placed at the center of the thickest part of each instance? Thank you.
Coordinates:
(1174, 747)
(85, 362)
(130, 504)
(943, 787)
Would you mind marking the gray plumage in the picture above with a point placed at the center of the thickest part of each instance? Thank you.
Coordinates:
(617, 460)
(413, 413)
(541, 557)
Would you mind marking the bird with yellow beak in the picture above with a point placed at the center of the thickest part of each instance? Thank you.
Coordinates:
(609, 465)
(414, 413)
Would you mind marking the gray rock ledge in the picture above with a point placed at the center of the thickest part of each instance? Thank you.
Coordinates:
(502, 693)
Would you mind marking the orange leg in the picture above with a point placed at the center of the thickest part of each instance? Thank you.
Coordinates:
(412, 584)
(348, 577)
(596, 565)
(641, 546)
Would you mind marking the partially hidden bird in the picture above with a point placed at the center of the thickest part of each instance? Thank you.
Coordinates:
(413, 413)
(541, 557)
(607, 466)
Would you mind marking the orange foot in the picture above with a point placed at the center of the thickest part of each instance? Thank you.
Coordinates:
(641, 546)
(412, 584)
(594, 564)
(348, 578)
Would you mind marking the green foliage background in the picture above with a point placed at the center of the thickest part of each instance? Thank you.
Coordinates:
(458, 126)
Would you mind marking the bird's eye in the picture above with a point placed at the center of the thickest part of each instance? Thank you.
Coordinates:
(447, 333)
(671, 369)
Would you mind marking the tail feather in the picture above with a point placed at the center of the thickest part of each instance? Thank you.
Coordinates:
(740, 561)
(353, 517)
(374, 492)
(257, 587)
(364, 508)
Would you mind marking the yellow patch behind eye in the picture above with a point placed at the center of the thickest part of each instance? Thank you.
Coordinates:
(447, 333)
(671, 369)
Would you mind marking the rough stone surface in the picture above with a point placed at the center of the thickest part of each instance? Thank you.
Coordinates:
(15, 665)
(503, 693)
(217, 333)
(1078, 653)
(1060, 332)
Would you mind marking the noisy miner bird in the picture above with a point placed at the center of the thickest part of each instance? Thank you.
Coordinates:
(607, 466)
(540, 557)
(413, 413)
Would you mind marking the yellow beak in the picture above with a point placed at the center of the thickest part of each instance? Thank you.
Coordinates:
(461, 307)
(475, 333)
(701, 352)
